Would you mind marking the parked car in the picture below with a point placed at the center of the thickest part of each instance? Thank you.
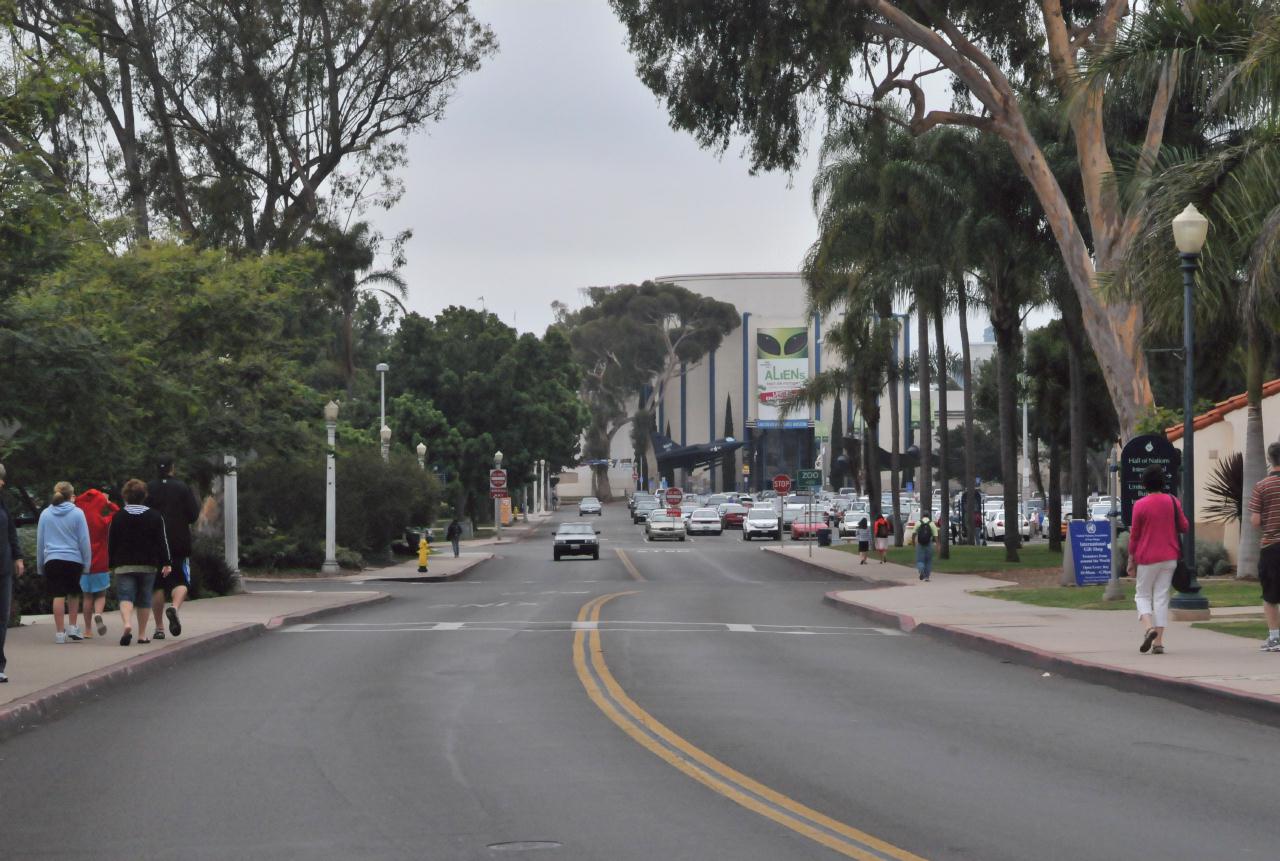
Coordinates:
(849, 522)
(806, 526)
(732, 515)
(590, 505)
(704, 521)
(996, 527)
(761, 520)
(1100, 511)
(576, 539)
(663, 527)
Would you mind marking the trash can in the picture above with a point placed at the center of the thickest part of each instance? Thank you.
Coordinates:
(824, 537)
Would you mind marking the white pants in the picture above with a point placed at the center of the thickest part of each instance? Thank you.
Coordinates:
(1154, 583)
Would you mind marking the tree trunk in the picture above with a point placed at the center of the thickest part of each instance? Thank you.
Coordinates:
(1005, 321)
(944, 447)
(1055, 495)
(970, 467)
(871, 458)
(1035, 464)
(926, 411)
(895, 452)
(1255, 463)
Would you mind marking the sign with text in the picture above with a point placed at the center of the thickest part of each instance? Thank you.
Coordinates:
(673, 496)
(782, 367)
(1090, 551)
(809, 479)
(1138, 454)
(497, 479)
(781, 483)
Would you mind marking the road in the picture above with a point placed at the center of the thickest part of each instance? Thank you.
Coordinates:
(683, 701)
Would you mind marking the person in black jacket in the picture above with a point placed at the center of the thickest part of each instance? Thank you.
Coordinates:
(179, 508)
(10, 563)
(138, 550)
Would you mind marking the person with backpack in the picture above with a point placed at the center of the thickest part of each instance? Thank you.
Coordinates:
(926, 535)
(882, 530)
(454, 534)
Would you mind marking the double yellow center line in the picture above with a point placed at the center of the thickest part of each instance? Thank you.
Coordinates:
(610, 698)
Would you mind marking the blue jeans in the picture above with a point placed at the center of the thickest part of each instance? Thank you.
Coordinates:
(924, 560)
(135, 588)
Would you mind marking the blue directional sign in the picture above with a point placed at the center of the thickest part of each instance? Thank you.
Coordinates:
(1090, 551)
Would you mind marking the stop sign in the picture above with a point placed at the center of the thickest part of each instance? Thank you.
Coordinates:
(673, 495)
(782, 483)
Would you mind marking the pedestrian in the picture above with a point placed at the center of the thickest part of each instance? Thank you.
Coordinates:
(139, 550)
(925, 535)
(864, 540)
(11, 564)
(1154, 549)
(63, 553)
(178, 506)
(454, 534)
(882, 530)
(94, 583)
(1264, 512)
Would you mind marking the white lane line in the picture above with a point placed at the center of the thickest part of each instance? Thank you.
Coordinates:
(448, 626)
(750, 629)
(891, 632)
(584, 626)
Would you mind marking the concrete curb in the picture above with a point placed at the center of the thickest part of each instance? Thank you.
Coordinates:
(427, 578)
(1201, 695)
(30, 711)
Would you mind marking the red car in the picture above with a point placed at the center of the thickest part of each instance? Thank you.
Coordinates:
(732, 515)
(806, 526)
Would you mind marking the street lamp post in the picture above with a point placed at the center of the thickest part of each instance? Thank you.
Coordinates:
(422, 456)
(382, 368)
(385, 436)
(330, 565)
(231, 523)
(497, 503)
(1190, 229)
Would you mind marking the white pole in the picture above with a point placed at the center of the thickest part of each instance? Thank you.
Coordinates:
(231, 523)
(330, 565)
(1026, 470)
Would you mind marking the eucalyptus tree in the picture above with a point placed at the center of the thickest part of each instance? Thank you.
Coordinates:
(1228, 56)
(766, 71)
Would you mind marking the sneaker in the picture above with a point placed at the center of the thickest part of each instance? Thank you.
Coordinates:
(60, 637)
(1271, 645)
(73, 633)
(3, 678)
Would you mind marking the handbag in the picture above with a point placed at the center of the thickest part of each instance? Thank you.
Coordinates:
(1181, 571)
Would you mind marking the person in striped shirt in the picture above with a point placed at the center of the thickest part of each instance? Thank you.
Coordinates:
(1264, 513)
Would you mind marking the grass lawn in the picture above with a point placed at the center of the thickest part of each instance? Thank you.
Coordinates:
(966, 559)
(1221, 593)
(1253, 629)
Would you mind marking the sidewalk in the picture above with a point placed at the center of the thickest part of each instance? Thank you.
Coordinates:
(441, 567)
(45, 678)
(1203, 668)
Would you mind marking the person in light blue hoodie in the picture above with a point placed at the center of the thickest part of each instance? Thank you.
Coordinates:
(63, 553)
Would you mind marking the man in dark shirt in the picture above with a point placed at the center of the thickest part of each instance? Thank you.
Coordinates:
(1264, 513)
(179, 508)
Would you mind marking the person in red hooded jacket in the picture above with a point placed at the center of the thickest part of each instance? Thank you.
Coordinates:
(98, 511)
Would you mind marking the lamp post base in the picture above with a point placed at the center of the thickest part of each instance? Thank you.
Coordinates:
(1189, 607)
(330, 566)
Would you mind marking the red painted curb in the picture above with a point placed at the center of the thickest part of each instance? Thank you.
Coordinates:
(1201, 695)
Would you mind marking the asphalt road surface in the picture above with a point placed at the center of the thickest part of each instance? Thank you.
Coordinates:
(675, 701)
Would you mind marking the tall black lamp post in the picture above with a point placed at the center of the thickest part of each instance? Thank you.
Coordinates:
(1190, 229)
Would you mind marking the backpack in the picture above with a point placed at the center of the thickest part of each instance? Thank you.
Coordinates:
(882, 529)
(924, 534)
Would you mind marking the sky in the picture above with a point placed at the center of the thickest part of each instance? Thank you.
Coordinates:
(554, 169)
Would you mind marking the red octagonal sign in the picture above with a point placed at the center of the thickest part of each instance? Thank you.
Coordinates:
(782, 483)
(673, 495)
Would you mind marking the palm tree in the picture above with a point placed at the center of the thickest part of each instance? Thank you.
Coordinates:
(1231, 52)
(348, 254)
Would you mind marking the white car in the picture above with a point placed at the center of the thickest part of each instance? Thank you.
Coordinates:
(590, 505)
(704, 521)
(995, 527)
(849, 523)
(761, 521)
(1100, 511)
(663, 527)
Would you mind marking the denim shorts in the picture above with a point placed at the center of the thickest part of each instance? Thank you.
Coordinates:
(92, 584)
(134, 588)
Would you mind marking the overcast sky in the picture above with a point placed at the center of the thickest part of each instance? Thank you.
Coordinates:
(555, 169)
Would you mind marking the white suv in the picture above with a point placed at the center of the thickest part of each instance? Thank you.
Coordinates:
(761, 520)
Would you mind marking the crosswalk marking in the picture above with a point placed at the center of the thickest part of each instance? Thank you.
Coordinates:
(749, 629)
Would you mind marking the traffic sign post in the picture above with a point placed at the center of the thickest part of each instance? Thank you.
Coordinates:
(809, 479)
(497, 479)
(673, 496)
(781, 483)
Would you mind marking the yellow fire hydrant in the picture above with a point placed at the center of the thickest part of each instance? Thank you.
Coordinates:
(424, 551)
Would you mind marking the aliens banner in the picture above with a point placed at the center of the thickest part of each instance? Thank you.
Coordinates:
(782, 366)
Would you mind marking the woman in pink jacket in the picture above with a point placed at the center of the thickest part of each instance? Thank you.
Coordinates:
(1154, 548)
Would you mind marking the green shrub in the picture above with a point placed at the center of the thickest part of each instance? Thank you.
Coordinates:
(348, 559)
(210, 574)
(282, 510)
(1212, 559)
